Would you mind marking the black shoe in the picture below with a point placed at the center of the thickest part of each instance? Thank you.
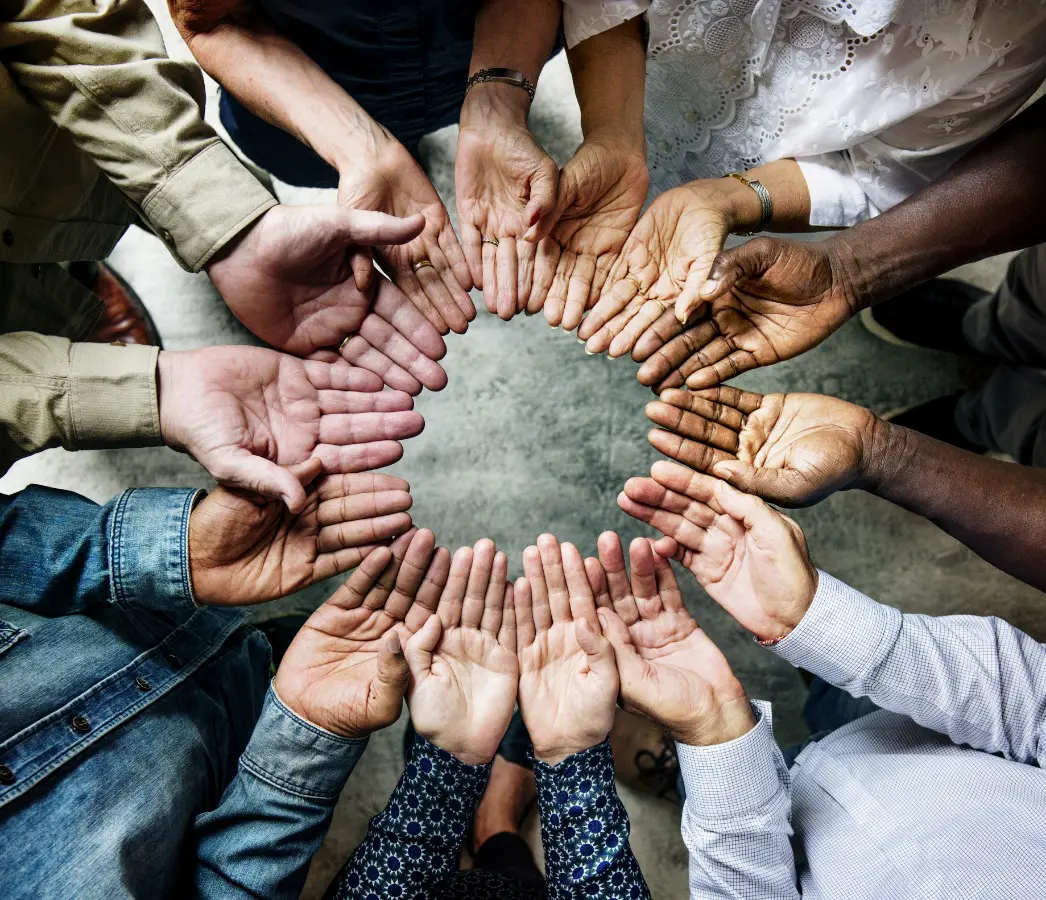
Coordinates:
(936, 419)
(928, 316)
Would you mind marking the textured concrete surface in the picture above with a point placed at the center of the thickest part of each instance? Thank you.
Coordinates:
(531, 435)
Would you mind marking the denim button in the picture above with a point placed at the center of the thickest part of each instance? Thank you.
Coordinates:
(143, 684)
(6, 775)
(80, 725)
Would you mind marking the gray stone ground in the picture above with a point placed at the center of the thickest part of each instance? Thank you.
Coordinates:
(531, 435)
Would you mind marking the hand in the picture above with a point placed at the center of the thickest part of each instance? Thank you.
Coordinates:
(506, 193)
(769, 300)
(751, 559)
(790, 449)
(242, 551)
(390, 180)
(345, 670)
(665, 261)
(244, 413)
(463, 669)
(670, 670)
(396, 342)
(568, 682)
(288, 277)
(601, 191)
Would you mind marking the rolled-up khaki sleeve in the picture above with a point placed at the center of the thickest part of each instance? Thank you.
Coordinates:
(78, 396)
(99, 68)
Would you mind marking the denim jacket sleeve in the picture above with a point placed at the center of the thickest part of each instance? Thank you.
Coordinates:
(584, 829)
(61, 553)
(414, 843)
(274, 814)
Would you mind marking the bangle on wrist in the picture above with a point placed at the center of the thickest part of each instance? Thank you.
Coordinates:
(501, 76)
(766, 204)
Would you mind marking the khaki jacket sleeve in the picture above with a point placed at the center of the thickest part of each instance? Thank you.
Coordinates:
(100, 70)
(78, 396)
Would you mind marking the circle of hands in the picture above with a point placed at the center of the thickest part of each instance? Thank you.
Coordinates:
(355, 299)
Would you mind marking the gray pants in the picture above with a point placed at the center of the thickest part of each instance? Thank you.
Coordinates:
(1008, 412)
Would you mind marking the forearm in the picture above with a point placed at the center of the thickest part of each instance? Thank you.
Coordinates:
(609, 74)
(275, 813)
(978, 680)
(736, 817)
(277, 81)
(997, 509)
(510, 34)
(978, 208)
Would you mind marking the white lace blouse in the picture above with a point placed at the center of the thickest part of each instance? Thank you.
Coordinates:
(874, 98)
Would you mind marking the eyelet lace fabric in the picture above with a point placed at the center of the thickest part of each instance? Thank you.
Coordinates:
(735, 83)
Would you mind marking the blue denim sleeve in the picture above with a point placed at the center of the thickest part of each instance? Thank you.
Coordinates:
(584, 829)
(61, 553)
(274, 814)
(414, 844)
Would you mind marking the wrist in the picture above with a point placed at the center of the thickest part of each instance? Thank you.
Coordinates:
(552, 754)
(738, 203)
(494, 101)
(166, 400)
(732, 718)
(884, 451)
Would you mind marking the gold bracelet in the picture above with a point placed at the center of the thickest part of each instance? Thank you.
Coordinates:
(766, 205)
(503, 76)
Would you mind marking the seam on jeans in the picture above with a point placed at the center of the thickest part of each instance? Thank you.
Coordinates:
(119, 594)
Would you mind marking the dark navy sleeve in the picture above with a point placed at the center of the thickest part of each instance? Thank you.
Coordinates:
(584, 830)
(414, 844)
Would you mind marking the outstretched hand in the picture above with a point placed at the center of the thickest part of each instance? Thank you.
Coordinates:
(245, 413)
(568, 681)
(751, 559)
(463, 669)
(345, 670)
(671, 672)
(791, 449)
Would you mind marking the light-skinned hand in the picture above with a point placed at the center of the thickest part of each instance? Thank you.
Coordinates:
(791, 449)
(246, 413)
(243, 550)
(568, 681)
(463, 669)
(345, 670)
(752, 560)
(768, 300)
(670, 670)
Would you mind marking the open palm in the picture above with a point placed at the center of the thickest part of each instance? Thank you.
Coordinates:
(463, 660)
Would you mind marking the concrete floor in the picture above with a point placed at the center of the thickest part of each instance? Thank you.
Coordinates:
(531, 435)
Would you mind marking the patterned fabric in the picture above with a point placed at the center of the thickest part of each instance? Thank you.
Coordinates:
(411, 849)
(939, 794)
(875, 98)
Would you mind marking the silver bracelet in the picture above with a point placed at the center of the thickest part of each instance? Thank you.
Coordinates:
(766, 205)
(503, 76)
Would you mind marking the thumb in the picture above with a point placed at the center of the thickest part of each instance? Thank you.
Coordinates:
(392, 666)
(538, 217)
(419, 648)
(753, 512)
(747, 478)
(254, 473)
(597, 648)
(629, 665)
(307, 471)
(749, 260)
(362, 226)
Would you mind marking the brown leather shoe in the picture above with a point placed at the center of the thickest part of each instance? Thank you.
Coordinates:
(124, 318)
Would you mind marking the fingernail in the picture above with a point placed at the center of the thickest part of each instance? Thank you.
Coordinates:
(580, 341)
(708, 287)
(589, 352)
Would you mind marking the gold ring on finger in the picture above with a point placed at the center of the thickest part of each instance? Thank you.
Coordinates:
(664, 304)
(635, 282)
(421, 264)
(492, 241)
(344, 343)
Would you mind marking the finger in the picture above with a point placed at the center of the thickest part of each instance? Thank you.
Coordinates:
(490, 280)
(361, 532)
(578, 290)
(411, 574)
(643, 580)
(786, 487)
(366, 227)
(420, 647)
(408, 282)
(357, 457)
(426, 601)
(479, 577)
(361, 261)
(691, 298)
(582, 602)
(612, 559)
(433, 280)
(365, 428)
(756, 515)
(617, 294)
(330, 372)
(525, 258)
(351, 593)
(384, 586)
(597, 579)
(616, 631)
(681, 479)
(260, 476)
(382, 336)
(507, 635)
(724, 404)
(672, 525)
(696, 427)
(545, 263)
(665, 328)
(556, 299)
(356, 506)
(697, 456)
(523, 608)
(634, 328)
(507, 278)
(393, 307)
(494, 601)
(458, 276)
(357, 350)
(667, 586)
(307, 471)
(452, 601)
(334, 487)
(599, 652)
(393, 673)
(652, 493)
(600, 342)
(555, 579)
(351, 402)
(538, 215)
(675, 353)
(631, 668)
(473, 241)
(537, 591)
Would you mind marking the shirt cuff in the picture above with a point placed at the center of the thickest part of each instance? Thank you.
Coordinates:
(842, 634)
(295, 756)
(149, 549)
(583, 19)
(836, 199)
(734, 778)
(204, 205)
(112, 391)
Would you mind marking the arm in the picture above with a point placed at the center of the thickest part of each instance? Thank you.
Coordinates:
(102, 73)
(979, 680)
(584, 827)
